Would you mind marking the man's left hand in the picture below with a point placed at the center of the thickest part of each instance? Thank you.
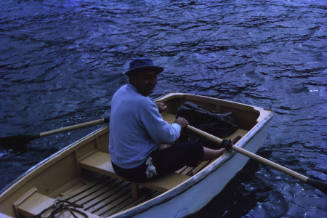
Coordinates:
(161, 106)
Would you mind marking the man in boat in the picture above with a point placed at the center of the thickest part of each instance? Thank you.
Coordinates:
(137, 129)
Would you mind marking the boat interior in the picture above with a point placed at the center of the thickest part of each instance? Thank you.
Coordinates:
(81, 176)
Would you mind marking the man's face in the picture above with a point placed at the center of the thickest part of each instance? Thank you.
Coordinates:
(145, 82)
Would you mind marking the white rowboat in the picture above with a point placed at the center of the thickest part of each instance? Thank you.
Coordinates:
(81, 173)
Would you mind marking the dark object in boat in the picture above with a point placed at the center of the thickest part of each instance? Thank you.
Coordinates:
(221, 125)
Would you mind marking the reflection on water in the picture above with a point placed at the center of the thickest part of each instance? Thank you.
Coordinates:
(61, 61)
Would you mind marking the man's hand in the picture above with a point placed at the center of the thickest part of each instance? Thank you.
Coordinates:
(181, 121)
(161, 106)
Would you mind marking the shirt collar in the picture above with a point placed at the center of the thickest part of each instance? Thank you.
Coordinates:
(132, 87)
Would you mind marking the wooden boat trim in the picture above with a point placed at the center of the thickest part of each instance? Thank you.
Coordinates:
(262, 120)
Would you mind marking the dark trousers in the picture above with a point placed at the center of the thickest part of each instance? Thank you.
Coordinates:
(166, 161)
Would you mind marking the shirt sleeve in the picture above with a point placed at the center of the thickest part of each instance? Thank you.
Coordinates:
(159, 130)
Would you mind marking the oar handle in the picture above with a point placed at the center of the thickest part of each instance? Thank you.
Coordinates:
(263, 160)
(76, 126)
(204, 134)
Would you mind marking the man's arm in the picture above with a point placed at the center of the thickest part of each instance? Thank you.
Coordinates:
(159, 130)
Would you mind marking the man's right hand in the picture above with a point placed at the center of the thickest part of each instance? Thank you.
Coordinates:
(182, 122)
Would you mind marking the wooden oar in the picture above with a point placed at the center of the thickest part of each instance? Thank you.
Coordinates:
(19, 141)
(321, 185)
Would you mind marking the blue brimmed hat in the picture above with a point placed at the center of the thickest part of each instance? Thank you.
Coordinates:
(138, 65)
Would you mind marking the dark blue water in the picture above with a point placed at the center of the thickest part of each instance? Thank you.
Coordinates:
(61, 61)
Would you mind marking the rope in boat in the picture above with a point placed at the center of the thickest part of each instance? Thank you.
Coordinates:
(59, 206)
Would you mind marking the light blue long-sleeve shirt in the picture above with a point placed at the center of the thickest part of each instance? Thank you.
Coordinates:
(136, 128)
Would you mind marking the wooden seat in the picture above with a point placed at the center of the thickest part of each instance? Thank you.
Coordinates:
(32, 203)
(100, 162)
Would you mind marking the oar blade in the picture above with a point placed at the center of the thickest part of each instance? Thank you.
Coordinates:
(16, 142)
(322, 186)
